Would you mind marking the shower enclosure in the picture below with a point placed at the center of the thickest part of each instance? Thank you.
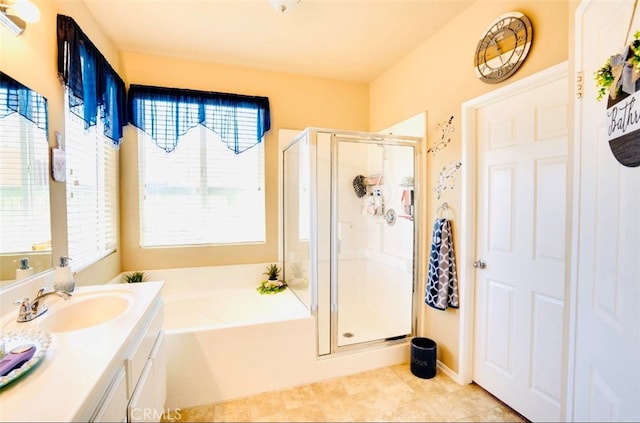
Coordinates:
(350, 237)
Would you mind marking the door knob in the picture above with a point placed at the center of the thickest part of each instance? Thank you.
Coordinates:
(479, 264)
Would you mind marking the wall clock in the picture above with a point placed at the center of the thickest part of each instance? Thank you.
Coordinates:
(503, 47)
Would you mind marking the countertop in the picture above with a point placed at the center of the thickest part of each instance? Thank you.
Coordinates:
(78, 366)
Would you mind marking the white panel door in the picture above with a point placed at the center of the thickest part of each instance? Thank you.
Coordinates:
(521, 226)
(606, 272)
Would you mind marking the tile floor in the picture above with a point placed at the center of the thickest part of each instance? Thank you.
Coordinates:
(389, 394)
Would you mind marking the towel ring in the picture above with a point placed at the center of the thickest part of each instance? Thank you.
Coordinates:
(444, 208)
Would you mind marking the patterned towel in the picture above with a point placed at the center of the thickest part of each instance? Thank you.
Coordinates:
(442, 284)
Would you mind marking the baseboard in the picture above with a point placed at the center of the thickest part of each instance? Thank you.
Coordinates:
(453, 375)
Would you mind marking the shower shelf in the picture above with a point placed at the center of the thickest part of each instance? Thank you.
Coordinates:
(374, 180)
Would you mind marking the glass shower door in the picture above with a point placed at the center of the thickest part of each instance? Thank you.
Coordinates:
(374, 242)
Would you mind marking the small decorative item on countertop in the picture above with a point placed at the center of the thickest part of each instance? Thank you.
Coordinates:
(16, 358)
(64, 279)
(23, 359)
(273, 284)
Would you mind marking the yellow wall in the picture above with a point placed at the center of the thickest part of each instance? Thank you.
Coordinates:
(438, 77)
(31, 58)
(296, 102)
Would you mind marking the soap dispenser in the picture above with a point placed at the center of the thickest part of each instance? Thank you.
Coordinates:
(24, 271)
(64, 279)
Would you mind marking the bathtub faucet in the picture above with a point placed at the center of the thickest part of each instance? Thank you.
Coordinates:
(30, 310)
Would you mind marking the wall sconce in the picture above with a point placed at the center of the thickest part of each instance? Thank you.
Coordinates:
(283, 5)
(14, 14)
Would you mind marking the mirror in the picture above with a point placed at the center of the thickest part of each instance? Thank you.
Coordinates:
(25, 222)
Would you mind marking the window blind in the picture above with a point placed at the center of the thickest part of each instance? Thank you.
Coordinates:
(202, 192)
(24, 185)
(92, 191)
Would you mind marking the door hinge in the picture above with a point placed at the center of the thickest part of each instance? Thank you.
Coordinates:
(579, 85)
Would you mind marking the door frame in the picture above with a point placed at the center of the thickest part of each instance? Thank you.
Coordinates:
(466, 271)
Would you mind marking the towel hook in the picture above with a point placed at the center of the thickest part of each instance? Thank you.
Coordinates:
(444, 207)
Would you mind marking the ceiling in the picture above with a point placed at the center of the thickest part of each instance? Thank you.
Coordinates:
(353, 40)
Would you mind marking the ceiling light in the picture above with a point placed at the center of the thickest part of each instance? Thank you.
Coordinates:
(14, 23)
(14, 14)
(26, 10)
(283, 5)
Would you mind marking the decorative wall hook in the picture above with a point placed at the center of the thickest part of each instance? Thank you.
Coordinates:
(446, 181)
(445, 129)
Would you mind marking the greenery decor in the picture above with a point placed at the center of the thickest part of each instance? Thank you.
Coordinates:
(635, 51)
(134, 277)
(273, 285)
(604, 76)
(604, 79)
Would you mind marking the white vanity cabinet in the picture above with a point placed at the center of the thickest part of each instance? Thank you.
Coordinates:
(110, 371)
(139, 388)
(146, 373)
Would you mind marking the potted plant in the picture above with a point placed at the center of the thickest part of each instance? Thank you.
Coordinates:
(272, 272)
(272, 285)
(135, 277)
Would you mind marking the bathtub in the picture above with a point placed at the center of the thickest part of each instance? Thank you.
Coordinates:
(225, 340)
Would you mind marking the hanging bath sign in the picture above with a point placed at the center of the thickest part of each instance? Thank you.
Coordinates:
(618, 80)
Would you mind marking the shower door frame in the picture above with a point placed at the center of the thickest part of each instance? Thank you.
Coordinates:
(383, 140)
(315, 273)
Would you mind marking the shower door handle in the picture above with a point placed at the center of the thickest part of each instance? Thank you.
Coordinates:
(479, 264)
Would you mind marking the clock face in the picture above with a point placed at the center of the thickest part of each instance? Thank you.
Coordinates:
(503, 47)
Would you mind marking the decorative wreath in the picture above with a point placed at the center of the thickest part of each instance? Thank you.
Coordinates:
(620, 71)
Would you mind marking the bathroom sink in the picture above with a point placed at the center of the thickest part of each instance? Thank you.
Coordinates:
(82, 312)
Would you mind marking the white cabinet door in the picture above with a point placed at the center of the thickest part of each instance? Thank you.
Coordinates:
(147, 402)
(141, 405)
(114, 406)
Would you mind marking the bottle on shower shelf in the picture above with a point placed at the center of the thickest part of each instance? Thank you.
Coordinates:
(377, 201)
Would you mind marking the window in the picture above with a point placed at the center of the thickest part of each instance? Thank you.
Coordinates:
(92, 191)
(201, 193)
(201, 166)
(24, 185)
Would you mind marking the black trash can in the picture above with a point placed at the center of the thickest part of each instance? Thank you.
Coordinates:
(423, 357)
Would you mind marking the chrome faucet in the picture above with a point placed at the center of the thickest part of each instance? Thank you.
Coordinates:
(30, 310)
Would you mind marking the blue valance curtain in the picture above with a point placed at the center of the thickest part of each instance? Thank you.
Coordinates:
(165, 114)
(17, 98)
(93, 86)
